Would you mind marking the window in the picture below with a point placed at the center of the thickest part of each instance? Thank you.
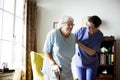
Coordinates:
(12, 33)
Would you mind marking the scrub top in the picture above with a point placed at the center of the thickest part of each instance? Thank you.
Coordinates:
(81, 58)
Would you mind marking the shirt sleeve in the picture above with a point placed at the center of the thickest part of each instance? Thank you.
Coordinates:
(49, 43)
(77, 32)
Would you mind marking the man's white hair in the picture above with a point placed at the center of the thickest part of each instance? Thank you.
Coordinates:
(65, 19)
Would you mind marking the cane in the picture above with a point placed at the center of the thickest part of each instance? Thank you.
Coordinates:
(59, 76)
(60, 73)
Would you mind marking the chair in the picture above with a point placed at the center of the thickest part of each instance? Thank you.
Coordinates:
(37, 62)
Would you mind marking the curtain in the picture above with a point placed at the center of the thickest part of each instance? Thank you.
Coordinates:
(30, 18)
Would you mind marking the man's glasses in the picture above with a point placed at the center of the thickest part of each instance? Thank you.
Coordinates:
(69, 24)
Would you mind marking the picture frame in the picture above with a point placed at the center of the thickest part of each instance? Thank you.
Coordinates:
(55, 25)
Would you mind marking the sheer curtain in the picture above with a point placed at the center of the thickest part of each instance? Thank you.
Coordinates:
(12, 39)
(12, 34)
(18, 33)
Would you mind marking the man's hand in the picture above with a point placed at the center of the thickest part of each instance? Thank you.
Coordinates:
(55, 68)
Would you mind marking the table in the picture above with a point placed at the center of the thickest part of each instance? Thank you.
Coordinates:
(7, 75)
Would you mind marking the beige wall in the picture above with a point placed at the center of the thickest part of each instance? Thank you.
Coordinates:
(50, 11)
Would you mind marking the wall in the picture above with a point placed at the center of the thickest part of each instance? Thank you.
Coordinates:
(50, 11)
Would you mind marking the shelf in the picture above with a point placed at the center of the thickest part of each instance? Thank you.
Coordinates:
(103, 65)
(104, 79)
(108, 38)
(107, 67)
(105, 76)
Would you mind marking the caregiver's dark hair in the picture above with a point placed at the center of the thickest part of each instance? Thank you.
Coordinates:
(95, 20)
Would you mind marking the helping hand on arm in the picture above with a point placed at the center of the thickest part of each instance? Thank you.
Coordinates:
(85, 48)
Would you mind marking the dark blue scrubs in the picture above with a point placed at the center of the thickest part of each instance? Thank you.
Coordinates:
(85, 65)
